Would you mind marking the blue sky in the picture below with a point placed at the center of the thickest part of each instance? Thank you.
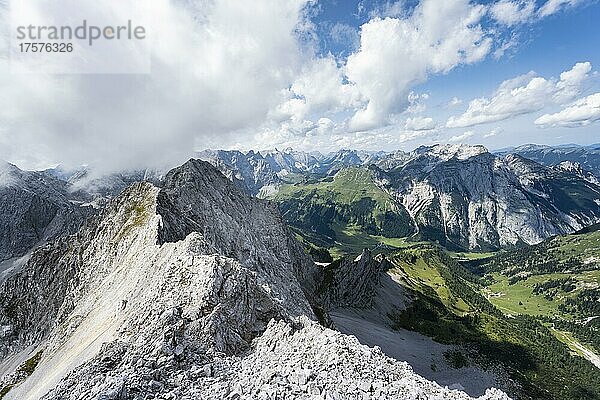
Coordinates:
(311, 75)
(547, 46)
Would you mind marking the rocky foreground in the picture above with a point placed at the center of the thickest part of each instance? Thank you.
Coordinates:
(185, 291)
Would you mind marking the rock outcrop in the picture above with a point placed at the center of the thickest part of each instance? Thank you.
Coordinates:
(34, 208)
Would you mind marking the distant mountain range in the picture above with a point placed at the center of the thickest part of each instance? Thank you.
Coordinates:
(259, 172)
(587, 156)
(461, 196)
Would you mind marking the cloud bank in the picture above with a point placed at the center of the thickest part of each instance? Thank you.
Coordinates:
(235, 74)
(581, 113)
(523, 95)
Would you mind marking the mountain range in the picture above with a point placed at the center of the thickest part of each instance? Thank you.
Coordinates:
(461, 196)
(447, 272)
(181, 291)
(586, 156)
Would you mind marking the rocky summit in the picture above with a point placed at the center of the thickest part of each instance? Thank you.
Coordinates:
(186, 290)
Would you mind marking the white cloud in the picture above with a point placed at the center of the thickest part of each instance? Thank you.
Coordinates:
(318, 88)
(569, 85)
(522, 95)
(455, 101)
(222, 71)
(512, 12)
(463, 137)
(581, 113)
(419, 124)
(515, 12)
(493, 132)
(397, 53)
(553, 6)
(328, 135)
(416, 103)
(214, 71)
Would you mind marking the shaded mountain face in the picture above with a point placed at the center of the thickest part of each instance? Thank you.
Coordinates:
(34, 208)
(187, 290)
(587, 156)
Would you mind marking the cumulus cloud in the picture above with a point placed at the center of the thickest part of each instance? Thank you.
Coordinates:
(216, 68)
(512, 12)
(462, 138)
(419, 124)
(581, 113)
(318, 88)
(523, 95)
(397, 53)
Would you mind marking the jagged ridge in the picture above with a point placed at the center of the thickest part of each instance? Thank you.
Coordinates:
(144, 305)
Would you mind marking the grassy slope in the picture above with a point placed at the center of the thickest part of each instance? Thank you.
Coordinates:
(512, 277)
(347, 186)
(344, 213)
(574, 256)
(450, 309)
(519, 298)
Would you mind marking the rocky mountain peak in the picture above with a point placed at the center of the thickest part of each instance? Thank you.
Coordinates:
(34, 208)
(573, 167)
(459, 151)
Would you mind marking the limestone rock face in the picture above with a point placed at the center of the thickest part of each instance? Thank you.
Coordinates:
(467, 198)
(34, 208)
(184, 291)
(353, 283)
